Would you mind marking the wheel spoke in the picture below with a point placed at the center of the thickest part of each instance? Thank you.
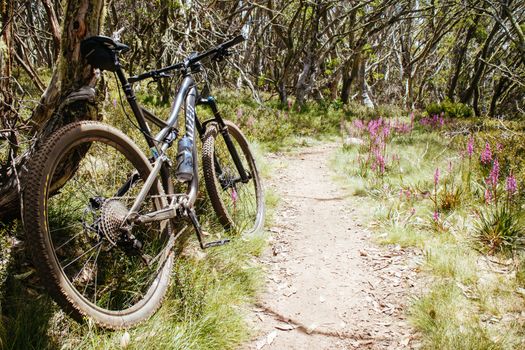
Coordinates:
(83, 254)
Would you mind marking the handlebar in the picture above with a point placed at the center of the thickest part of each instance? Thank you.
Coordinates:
(219, 52)
(159, 73)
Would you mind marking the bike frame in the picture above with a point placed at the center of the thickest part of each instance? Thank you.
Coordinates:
(164, 139)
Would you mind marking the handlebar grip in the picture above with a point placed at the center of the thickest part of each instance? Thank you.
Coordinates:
(237, 40)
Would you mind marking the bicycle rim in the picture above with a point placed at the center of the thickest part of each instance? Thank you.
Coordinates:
(239, 205)
(97, 270)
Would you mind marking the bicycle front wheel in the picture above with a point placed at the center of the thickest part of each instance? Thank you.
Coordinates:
(94, 263)
(238, 204)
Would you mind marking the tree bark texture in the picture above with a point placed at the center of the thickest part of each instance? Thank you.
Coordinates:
(69, 97)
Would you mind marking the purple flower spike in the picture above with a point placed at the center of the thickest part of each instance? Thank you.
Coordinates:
(436, 177)
(494, 173)
(358, 124)
(381, 161)
(488, 196)
(470, 147)
(436, 216)
(512, 186)
(486, 155)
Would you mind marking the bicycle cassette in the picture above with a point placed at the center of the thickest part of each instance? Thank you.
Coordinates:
(113, 214)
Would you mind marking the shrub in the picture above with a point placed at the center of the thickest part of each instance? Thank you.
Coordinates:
(500, 230)
(450, 199)
(449, 109)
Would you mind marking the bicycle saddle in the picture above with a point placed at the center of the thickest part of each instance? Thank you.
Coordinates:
(100, 51)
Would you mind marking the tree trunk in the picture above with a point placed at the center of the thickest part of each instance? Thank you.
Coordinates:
(349, 73)
(283, 95)
(459, 56)
(303, 85)
(68, 97)
(53, 24)
(480, 66)
(307, 76)
(499, 89)
(363, 86)
(8, 112)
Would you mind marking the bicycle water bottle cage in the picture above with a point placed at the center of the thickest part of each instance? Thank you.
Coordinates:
(100, 52)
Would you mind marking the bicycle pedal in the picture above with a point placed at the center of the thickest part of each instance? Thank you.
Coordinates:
(216, 243)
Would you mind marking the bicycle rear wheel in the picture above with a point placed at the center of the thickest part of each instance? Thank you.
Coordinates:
(238, 205)
(80, 188)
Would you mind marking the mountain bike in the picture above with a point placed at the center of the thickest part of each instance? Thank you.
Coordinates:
(102, 218)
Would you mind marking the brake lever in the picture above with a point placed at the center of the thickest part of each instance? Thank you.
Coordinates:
(156, 78)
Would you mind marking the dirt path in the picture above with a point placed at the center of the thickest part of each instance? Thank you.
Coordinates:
(328, 285)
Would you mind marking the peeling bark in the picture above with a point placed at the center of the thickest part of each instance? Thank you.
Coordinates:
(66, 98)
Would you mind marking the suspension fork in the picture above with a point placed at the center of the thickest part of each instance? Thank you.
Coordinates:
(210, 101)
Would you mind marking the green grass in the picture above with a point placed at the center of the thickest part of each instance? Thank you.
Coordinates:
(203, 308)
(404, 236)
(462, 295)
(451, 261)
(447, 321)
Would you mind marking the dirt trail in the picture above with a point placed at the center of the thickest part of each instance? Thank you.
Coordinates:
(328, 285)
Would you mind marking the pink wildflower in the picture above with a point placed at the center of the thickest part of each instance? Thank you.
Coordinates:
(488, 196)
(402, 128)
(381, 163)
(512, 186)
(470, 147)
(486, 155)
(358, 124)
(499, 147)
(494, 173)
(386, 131)
(436, 176)
(373, 127)
(436, 216)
